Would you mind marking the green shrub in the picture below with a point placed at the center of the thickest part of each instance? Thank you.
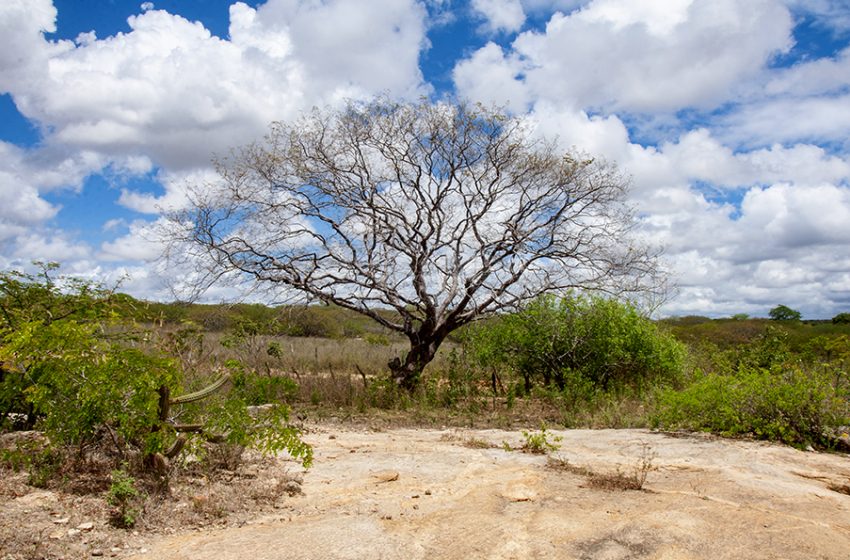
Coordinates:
(91, 386)
(788, 405)
(122, 494)
(256, 389)
(600, 343)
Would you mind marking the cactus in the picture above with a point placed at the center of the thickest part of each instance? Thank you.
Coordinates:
(203, 393)
(159, 461)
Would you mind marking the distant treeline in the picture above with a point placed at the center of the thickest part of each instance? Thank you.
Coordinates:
(731, 332)
(324, 321)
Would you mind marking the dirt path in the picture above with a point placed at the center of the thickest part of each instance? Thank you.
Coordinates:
(707, 498)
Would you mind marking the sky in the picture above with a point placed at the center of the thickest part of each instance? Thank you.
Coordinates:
(731, 118)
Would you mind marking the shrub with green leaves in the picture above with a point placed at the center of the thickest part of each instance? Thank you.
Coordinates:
(123, 495)
(86, 380)
(602, 342)
(788, 404)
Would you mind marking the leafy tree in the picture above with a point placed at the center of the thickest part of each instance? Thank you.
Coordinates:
(784, 313)
(841, 319)
(443, 213)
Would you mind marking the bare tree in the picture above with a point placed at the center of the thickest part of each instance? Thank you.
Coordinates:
(444, 213)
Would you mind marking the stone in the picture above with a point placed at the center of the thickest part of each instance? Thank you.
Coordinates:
(386, 476)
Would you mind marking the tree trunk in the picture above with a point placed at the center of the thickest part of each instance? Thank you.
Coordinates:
(423, 348)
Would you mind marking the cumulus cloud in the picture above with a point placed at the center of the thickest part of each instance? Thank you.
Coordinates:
(141, 243)
(167, 95)
(642, 56)
(171, 91)
(176, 185)
(25, 175)
(727, 243)
(500, 15)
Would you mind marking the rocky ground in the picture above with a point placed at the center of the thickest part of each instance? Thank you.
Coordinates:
(422, 493)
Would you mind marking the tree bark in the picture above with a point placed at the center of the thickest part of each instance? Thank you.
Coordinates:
(423, 348)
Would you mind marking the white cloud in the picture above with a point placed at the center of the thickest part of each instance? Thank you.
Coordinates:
(141, 243)
(171, 91)
(648, 57)
(829, 14)
(790, 213)
(25, 175)
(488, 76)
(813, 77)
(660, 18)
(814, 119)
(176, 185)
(500, 15)
(53, 246)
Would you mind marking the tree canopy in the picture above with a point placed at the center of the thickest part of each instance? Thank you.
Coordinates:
(784, 313)
(443, 213)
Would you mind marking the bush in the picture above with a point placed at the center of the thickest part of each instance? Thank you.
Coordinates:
(594, 341)
(841, 319)
(788, 405)
(87, 387)
(256, 389)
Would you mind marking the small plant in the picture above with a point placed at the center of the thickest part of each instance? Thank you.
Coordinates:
(122, 494)
(44, 466)
(539, 442)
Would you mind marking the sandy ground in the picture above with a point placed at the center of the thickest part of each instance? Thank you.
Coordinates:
(411, 494)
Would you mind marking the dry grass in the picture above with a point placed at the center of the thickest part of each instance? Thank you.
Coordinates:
(633, 479)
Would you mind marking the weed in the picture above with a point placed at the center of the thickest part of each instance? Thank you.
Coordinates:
(539, 443)
(123, 494)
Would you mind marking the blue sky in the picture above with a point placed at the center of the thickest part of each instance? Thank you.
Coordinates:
(732, 118)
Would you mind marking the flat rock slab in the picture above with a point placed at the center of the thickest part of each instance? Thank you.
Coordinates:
(706, 498)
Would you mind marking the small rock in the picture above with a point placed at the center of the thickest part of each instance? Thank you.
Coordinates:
(56, 535)
(87, 526)
(62, 521)
(97, 552)
(73, 532)
(427, 492)
(114, 549)
(386, 476)
(331, 436)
